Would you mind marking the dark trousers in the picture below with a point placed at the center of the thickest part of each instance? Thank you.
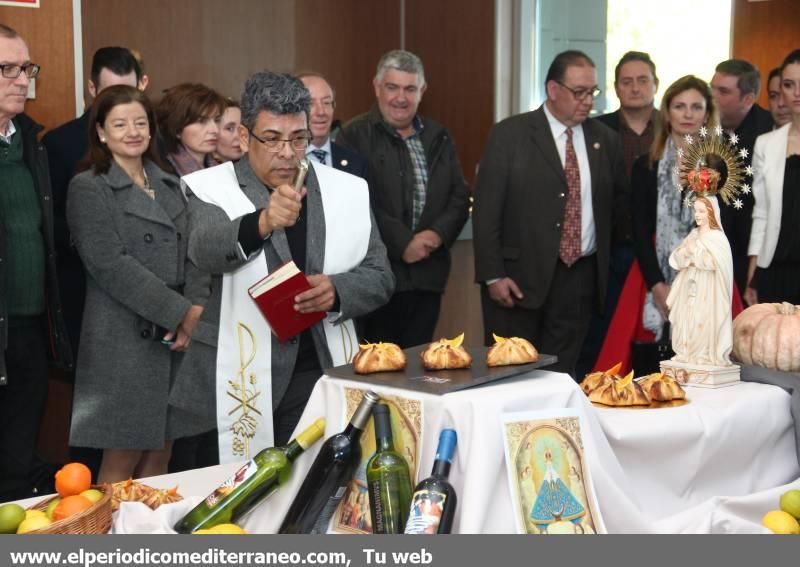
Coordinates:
(22, 402)
(293, 403)
(779, 282)
(409, 319)
(560, 324)
(621, 260)
(195, 452)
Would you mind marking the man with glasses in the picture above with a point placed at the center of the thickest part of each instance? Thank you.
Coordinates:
(325, 227)
(419, 195)
(322, 148)
(29, 297)
(547, 188)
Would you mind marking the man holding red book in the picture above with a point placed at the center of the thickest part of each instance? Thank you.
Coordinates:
(247, 221)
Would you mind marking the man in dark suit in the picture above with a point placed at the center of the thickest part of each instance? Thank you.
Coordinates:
(418, 193)
(31, 326)
(548, 186)
(322, 148)
(66, 147)
(735, 87)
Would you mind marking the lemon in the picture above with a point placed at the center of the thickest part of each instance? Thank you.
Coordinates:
(52, 506)
(790, 503)
(33, 523)
(11, 516)
(222, 529)
(780, 522)
(92, 495)
(34, 512)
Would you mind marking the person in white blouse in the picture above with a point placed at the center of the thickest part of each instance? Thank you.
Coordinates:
(774, 249)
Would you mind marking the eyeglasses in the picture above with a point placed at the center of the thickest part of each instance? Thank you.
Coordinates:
(11, 71)
(581, 94)
(276, 144)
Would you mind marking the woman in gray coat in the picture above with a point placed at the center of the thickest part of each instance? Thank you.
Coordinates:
(128, 219)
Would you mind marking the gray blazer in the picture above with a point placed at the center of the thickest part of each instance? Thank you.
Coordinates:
(134, 250)
(213, 247)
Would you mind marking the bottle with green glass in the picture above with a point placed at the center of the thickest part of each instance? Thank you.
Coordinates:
(388, 479)
(251, 484)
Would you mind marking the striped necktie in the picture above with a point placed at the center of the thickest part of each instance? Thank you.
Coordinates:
(319, 155)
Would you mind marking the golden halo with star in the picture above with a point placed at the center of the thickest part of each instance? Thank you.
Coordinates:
(695, 173)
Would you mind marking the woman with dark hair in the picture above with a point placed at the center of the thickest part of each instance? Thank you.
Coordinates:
(128, 220)
(228, 146)
(774, 274)
(188, 119)
(660, 220)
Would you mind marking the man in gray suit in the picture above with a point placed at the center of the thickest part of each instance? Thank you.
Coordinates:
(287, 225)
(547, 189)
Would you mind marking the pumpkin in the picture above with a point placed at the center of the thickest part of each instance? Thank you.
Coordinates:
(768, 335)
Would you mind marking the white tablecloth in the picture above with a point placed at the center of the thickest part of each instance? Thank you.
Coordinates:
(716, 464)
(732, 441)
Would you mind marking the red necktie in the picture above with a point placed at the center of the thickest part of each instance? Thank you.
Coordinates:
(570, 248)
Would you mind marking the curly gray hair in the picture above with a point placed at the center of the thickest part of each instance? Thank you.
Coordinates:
(278, 93)
(401, 60)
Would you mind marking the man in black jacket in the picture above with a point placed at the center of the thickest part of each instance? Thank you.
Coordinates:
(419, 197)
(735, 87)
(29, 299)
(66, 147)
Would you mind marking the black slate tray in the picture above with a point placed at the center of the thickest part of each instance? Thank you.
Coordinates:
(440, 382)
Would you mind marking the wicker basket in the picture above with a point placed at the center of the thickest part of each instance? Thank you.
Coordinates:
(94, 520)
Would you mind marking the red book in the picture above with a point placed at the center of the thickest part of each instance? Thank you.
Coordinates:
(275, 295)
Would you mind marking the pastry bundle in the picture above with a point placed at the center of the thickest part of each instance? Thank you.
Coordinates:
(379, 357)
(609, 389)
(662, 388)
(446, 354)
(133, 491)
(508, 351)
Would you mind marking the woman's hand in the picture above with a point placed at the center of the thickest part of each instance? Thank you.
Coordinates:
(183, 334)
(660, 293)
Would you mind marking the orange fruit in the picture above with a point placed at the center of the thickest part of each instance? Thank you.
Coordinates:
(73, 478)
(71, 505)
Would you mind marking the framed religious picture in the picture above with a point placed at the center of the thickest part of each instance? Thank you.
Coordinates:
(353, 515)
(551, 490)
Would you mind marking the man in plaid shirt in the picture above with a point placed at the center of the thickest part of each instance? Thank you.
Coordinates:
(418, 194)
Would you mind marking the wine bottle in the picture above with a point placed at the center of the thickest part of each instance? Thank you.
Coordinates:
(251, 484)
(327, 479)
(433, 505)
(388, 479)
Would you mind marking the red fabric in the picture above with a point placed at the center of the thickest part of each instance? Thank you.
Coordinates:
(626, 324)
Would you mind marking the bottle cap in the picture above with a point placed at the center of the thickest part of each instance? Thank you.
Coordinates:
(310, 435)
(383, 423)
(447, 445)
(364, 409)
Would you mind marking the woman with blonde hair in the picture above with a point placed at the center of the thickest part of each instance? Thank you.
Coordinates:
(660, 220)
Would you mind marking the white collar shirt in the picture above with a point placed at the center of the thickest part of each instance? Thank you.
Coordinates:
(559, 131)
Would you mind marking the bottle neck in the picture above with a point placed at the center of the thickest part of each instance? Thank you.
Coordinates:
(293, 450)
(441, 468)
(384, 443)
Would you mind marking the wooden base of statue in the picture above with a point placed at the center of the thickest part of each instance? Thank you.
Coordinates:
(700, 375)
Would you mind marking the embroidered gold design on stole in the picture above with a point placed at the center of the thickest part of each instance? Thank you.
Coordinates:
(243, 390)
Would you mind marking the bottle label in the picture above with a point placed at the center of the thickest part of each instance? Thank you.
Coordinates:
(324, 518)
(427, 507)
(238, 478)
